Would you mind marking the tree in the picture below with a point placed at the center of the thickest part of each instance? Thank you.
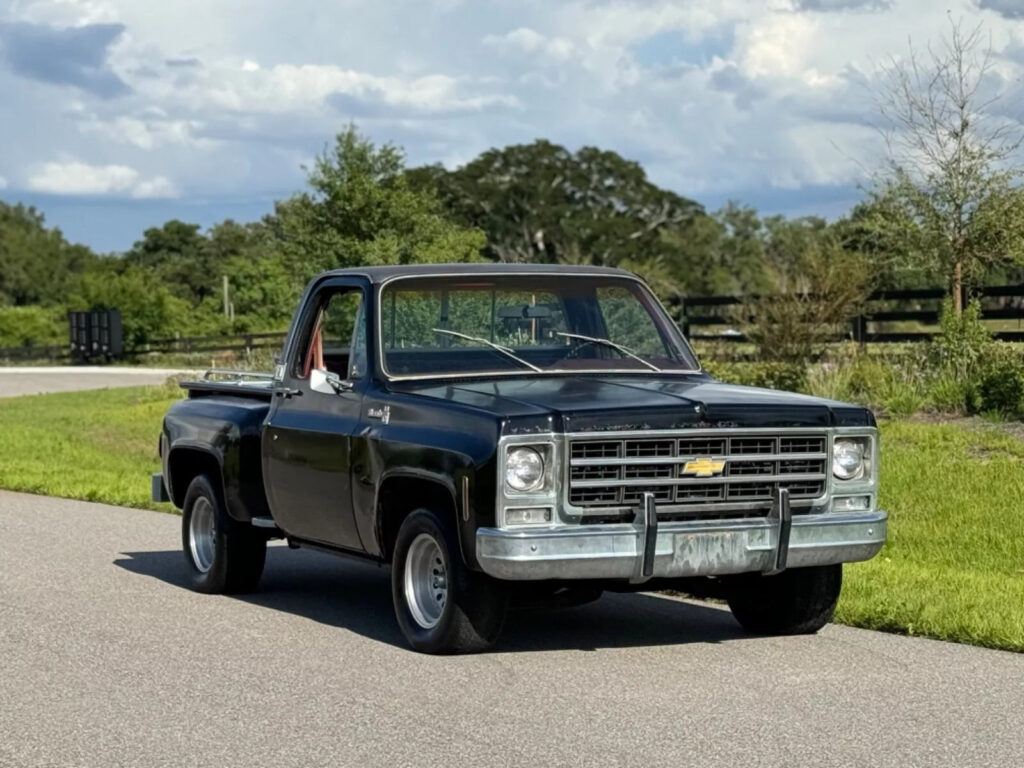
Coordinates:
(949, 201)
(362, 210)
(818, 285)
(37, 265)
(721, 254)
(179, 254)
(539, 202)
(148, 308)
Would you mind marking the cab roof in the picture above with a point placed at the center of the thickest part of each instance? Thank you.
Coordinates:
(384, 273)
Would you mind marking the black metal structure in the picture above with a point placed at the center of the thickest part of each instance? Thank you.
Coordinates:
(95, 336)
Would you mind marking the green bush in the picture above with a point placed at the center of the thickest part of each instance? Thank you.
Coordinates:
(961, 340)
(32, 326)
(790, 377)
(963, 371)
(148, 309)
(948, 393)
(1000, 380)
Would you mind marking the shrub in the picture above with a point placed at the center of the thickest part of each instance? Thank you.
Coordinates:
(791, 377)
(950, 394)
(961, 339)
(148, 309)
(811, 310)
(32, 326)
(1000, 380)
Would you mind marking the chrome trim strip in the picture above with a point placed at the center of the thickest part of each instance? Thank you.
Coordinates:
(686, 527)
(696, 508)
(680, 549)
(686, 432)
(685, 481)
(683, 458)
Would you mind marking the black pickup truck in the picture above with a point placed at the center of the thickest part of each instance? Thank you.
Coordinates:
(504, 433)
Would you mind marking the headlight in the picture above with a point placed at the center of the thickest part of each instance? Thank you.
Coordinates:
(524, 469)
(850, 458)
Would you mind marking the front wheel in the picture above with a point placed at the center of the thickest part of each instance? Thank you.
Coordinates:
(795, 602)
(221, 554)
(442, 606)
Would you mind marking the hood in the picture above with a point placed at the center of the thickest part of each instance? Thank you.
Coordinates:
(591, 403)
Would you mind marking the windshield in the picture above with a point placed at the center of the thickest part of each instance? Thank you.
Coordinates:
(495, 324)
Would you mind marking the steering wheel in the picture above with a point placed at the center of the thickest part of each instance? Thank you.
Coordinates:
(576, 347)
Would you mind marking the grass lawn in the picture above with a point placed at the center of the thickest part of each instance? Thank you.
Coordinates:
(97, 445)
(953, 568)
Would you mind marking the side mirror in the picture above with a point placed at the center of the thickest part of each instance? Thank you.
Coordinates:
(327, 382)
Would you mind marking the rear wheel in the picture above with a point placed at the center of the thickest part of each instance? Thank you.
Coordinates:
(795, 602)
(221, 554)
(442, 606)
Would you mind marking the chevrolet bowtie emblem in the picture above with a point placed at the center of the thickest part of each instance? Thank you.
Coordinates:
(705, 467)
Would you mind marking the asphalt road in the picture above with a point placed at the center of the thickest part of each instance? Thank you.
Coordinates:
(107, 659)
(36, 380)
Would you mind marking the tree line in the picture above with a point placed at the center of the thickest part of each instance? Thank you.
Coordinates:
(945, 207)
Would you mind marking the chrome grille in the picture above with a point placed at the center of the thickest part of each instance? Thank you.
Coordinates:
(607, 472)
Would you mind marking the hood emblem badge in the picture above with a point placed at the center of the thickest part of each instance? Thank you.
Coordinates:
(382, 413)
(704, 467)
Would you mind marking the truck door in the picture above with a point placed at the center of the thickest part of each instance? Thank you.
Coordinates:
(307, 440)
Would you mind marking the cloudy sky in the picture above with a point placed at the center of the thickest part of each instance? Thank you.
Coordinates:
(116, 115)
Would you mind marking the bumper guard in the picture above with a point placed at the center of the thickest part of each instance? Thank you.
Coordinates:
(648, 548)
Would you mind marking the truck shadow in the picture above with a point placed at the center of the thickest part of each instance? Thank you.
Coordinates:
(356, 596)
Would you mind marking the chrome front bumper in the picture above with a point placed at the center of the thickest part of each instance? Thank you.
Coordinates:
(705, 548)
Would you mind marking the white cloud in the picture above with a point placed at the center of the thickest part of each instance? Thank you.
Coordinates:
(3, 183)
(527, 41)
(145, 131)
(777, 46)
(76, 178)
(157, 187)
(842, 5)
(69, 13)
(718, 98)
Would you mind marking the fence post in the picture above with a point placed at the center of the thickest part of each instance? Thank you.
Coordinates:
(859, 329)
(684, 323)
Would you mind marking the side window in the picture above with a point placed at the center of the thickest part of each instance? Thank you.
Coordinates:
(336, 339)
(628, 323)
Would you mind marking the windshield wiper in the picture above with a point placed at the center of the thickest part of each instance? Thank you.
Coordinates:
(613, 345)
(504, 350)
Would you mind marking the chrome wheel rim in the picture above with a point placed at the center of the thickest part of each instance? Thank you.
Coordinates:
(426, 581)
(202, 531)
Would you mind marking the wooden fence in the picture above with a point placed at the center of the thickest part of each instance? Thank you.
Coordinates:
(245, 343)
(999, 302)
(696, 316)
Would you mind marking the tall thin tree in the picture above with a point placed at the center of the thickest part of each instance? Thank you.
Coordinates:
(949, 198)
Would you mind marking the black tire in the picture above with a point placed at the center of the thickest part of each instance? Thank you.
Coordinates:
(471, 615)
(234, 562)
(795, 602)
